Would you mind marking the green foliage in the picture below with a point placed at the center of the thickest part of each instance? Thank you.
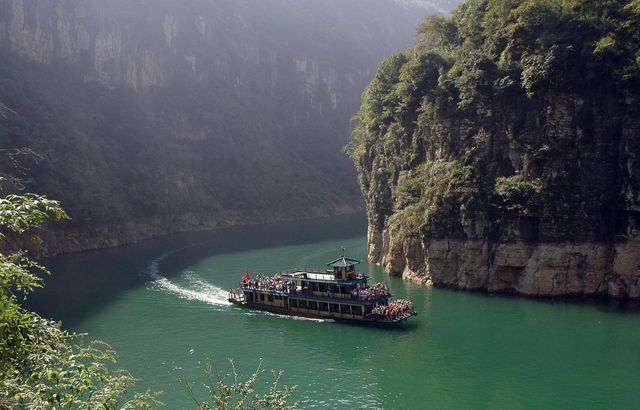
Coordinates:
(230, 391)
(196, 146)
(21, 212)
(63, 374)
(520, 195)
(453, 125)
(438, 31)
(42, 366)
(378, 106)
(428, 196)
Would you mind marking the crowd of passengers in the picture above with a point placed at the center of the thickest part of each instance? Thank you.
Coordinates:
(276, 284)
(394, 310)
(378, 290)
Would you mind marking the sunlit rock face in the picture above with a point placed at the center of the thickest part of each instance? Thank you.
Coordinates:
(157, 116)
(476, 179)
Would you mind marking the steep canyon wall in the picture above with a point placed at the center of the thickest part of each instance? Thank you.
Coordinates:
(157, 116)
(502, 152)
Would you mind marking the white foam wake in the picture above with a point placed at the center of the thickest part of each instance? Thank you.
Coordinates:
(202, 291)
(290, 317)
(206, 292)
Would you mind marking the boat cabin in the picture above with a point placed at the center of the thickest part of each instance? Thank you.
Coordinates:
(344, 267)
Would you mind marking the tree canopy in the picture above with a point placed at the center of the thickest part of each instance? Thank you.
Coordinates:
(41, 365)
(471, 118)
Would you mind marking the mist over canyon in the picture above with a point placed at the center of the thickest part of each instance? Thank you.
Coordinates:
(150, 117)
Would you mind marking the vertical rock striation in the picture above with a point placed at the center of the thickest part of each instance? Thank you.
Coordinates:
(158, 116)
(501, 153)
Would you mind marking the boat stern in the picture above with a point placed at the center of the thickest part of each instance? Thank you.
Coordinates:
(236, 296)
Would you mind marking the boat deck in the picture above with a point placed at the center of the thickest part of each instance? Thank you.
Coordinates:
(317, 315)
(312, 296)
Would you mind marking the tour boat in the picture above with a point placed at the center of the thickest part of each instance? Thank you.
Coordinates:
(338, 293)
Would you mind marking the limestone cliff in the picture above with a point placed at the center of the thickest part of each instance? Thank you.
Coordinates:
(502, 152)
(157, 116)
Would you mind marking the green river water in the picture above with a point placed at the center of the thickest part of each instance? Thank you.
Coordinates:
(162, 304)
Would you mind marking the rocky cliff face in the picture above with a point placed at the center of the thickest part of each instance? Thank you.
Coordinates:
(157, 116)
(508, 161)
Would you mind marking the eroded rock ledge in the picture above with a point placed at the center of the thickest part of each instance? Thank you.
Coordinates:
(533, 269)
(502, 152)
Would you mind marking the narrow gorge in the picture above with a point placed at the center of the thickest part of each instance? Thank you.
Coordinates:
(156, 116)
(502, 153)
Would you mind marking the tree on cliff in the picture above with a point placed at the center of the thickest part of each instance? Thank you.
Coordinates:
(509, 120)
(42, 366)
(438, 121)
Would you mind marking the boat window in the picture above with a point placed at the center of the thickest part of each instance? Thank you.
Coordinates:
(323, 287)
(313, 305)
(357, 310)
(293, 302)
(303, 304)
(323, 306)
(270, 298)
(333, 307)
(345, 309)
(262, 297)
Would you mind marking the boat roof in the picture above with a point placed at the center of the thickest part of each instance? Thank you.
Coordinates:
(343, 262)
(323, 276)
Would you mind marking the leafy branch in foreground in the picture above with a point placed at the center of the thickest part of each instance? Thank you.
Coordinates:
(42, 366)
(239, 394)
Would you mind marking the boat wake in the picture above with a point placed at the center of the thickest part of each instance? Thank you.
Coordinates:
(199, 289)
(289, 317)
(203, 291)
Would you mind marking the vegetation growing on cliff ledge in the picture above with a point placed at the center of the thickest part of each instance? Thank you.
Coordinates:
(507, 109)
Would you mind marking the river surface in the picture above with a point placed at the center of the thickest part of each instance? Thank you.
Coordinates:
(162, 304)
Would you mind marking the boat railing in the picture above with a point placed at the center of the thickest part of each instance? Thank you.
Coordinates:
(236, 295)
(394, 311)
(393, 319)
(308, 270)
(290, 272)
(317, 294)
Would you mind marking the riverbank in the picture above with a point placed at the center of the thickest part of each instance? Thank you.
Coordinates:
(63, 238)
